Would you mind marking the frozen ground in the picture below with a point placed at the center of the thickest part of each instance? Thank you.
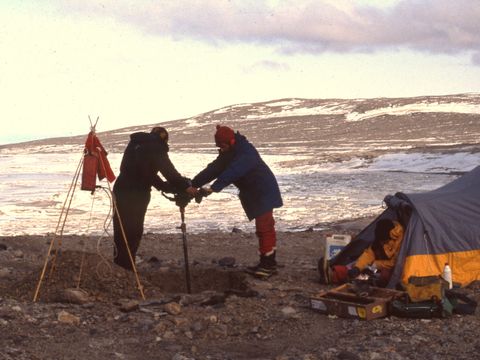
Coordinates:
(35, 186)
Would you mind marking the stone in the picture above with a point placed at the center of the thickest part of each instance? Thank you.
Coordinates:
(129, 306)
(180, 322)
(65, 317)
(74, 296)
(173, 308)
(197, 326)
(4, 272)
(288, 311)
(161, 327)
(347, 355)
(169, 335)
(227, 261)
(18, 253)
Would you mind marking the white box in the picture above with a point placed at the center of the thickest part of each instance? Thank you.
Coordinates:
(334, 244)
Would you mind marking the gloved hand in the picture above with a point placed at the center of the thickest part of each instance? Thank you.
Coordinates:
(205, 191)
(353, 272)
(191, 191)
(371, 270)
(165, 186)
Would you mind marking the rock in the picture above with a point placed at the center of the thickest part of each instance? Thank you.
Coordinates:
(161, 327)
(66, 318)
(4, 273)
(236, 230)
(129, 306)
(74, 296)
(289, 311)
(197, 326)
(180, 322)
(228, 261)
(261, 284)
(212, 319)
(18, 254)
(153, 260)
(226, 319)
(214, 300)
(180, 357)
(173, 308)
(219, 331)
(169, 335)
(347, 355)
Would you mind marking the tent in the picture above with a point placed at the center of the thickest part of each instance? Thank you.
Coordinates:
(441, 226)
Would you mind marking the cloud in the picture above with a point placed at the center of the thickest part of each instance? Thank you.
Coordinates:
(270, 65)
(295, 26)
(476, 59)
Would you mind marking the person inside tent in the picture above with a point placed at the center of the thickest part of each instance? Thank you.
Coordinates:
(381, 256)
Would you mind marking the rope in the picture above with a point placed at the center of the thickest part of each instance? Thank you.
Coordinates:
(108, 219)
(82, 261)
(132, 261)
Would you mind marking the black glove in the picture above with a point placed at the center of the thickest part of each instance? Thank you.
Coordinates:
(166, 187)
(353, 272)
(162, 185)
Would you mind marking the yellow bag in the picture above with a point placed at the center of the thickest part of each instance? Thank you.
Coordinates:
(425, 288)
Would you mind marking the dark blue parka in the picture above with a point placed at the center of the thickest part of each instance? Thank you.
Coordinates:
(243, 167)
(145, 156)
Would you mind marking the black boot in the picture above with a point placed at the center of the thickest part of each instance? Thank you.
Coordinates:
(265, 268)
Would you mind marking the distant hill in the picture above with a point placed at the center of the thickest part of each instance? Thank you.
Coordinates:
(343, 127)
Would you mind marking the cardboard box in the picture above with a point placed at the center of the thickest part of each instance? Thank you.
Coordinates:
(343, 302)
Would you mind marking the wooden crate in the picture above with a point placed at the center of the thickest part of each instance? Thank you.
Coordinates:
(343, 302)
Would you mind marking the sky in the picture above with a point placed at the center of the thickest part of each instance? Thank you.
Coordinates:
(136, 62)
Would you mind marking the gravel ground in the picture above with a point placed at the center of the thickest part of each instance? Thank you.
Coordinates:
(88, 308)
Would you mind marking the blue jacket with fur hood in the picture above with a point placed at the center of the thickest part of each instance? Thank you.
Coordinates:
(243, 167)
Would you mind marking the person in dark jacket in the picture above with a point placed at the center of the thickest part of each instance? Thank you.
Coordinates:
(240, 164)
(145, 155)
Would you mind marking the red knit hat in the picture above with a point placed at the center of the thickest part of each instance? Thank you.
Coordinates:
(224, 135)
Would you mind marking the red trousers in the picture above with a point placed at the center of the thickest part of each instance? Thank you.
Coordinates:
(265, 230)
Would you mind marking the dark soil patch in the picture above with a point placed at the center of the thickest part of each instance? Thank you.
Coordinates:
(104, 281)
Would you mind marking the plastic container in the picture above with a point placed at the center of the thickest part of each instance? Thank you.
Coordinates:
(447, 275)
(334, 244)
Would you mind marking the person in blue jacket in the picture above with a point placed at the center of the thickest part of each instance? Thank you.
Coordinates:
(240, 164)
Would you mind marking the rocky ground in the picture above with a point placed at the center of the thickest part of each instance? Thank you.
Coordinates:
(88, 308)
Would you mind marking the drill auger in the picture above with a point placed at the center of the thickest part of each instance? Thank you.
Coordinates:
(182, 199)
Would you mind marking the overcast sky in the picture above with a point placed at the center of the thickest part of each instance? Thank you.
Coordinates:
(146, 61)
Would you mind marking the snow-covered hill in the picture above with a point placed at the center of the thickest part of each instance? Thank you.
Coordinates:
(328, 130)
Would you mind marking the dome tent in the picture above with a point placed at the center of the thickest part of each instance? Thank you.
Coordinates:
(441, 226)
